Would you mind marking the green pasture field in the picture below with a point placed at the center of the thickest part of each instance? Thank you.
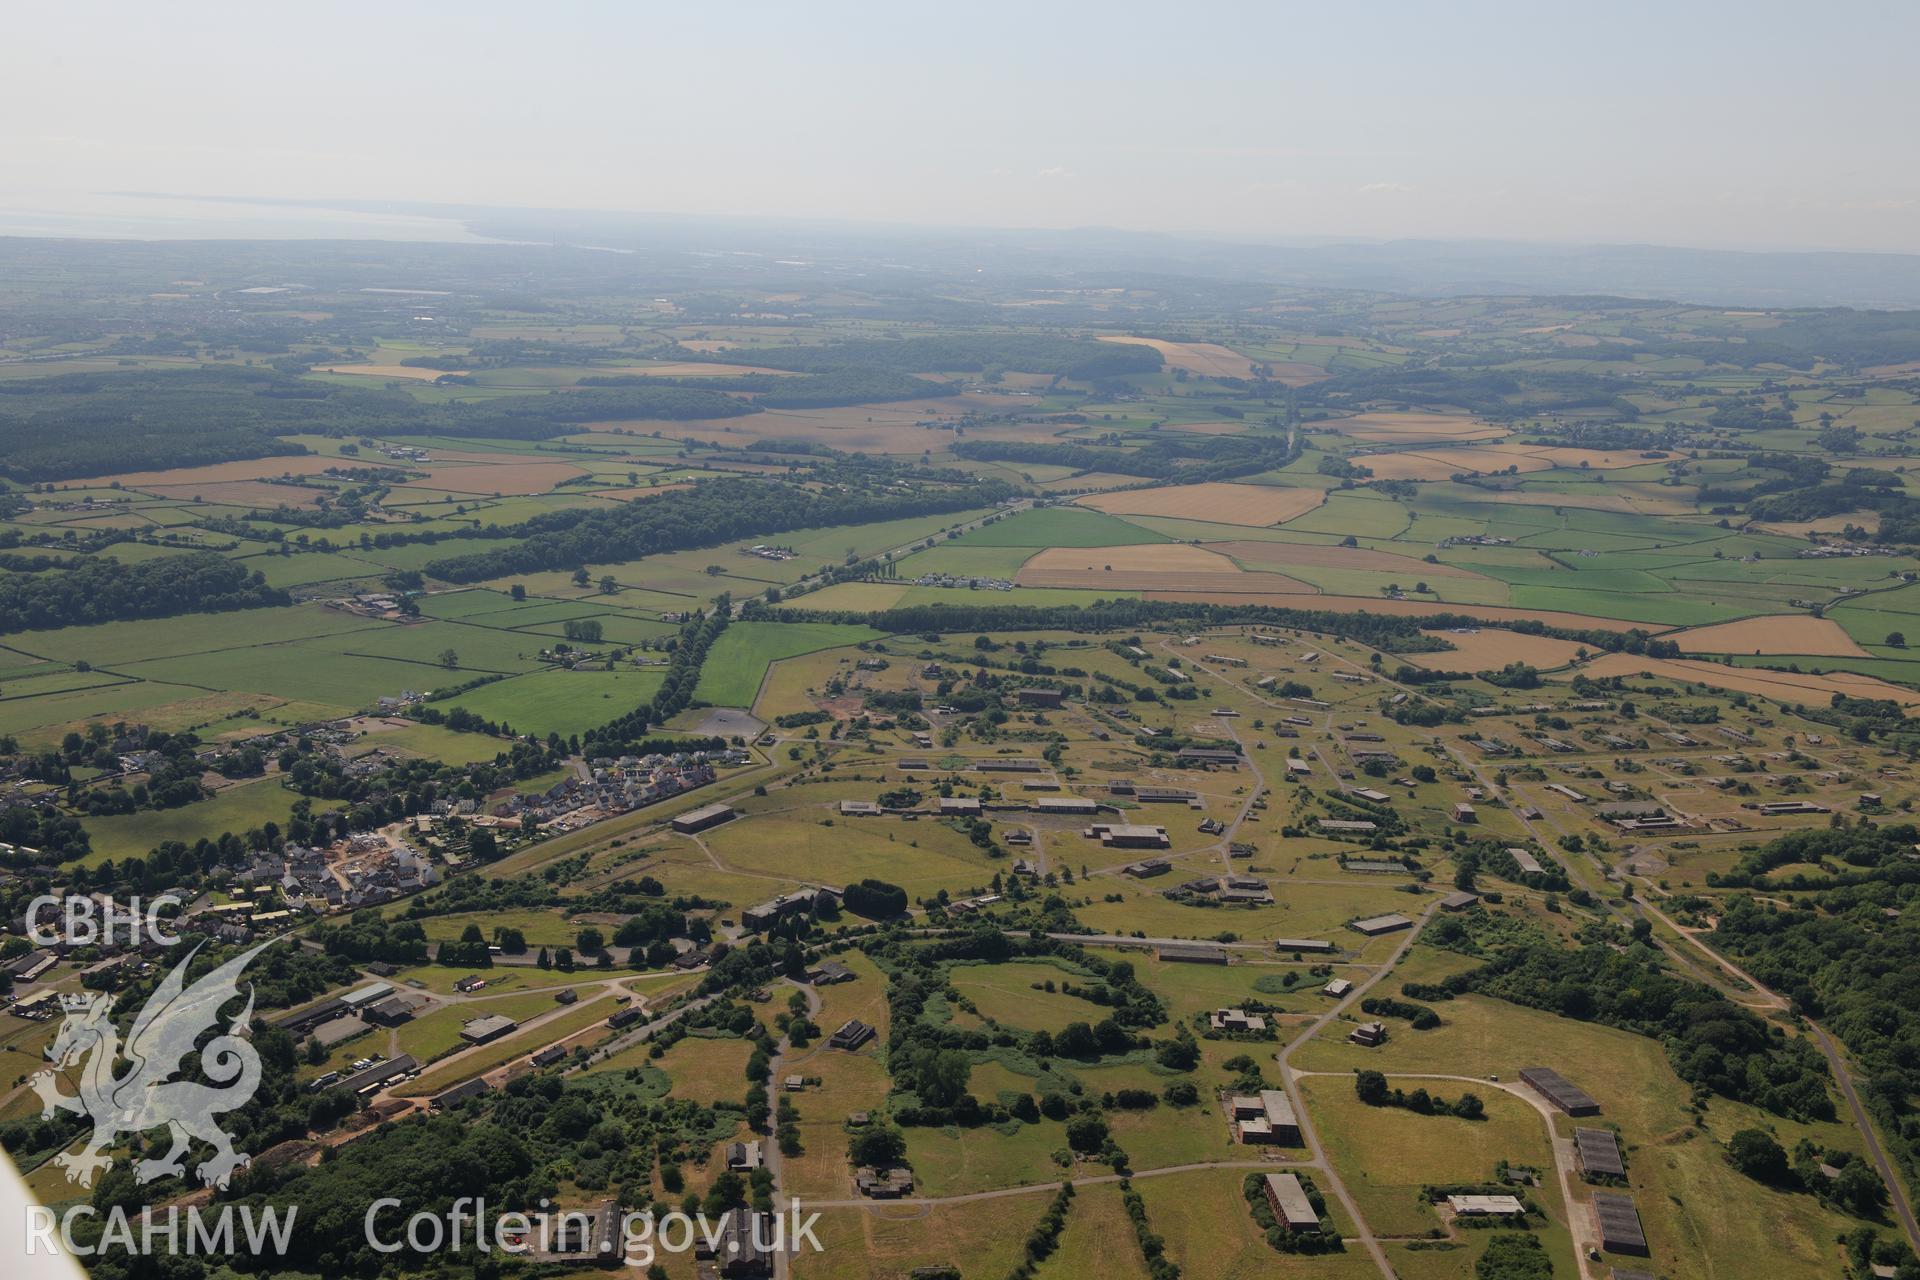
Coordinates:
(739, 659)
(562, 702)
(111, 643)
(809, 844)
(237, 809)
(1004, 993)
(1386, 1154)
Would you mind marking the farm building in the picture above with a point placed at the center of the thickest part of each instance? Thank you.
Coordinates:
(367, 1079)
(1066, 806)
(852, 1034)
(1599, 1151)
(1288, 1200)
(548, 1056)
(744, 1156)
(1190, 953)
(739, 1248)
(390, 1012)
(884, 1184)
(1369, 1034)
(1485, 1206)
(367, 995)
(1346, 826)
(860, 809)
(1338, 988)
(459, 1093)
(1784, 808)
(1527, 863)
(1303, 944)
(488, 1029)
(304, 1020)
(1374, 926)
(767, 913)
(1235, 1020)
(1459, 900)
(1163, 795)
(1373, 866)
(1560, 1091)
(1041, 697)
(1620, 1230)
(959, 806)
(700, 819)
(829, 972)
(1209, 756)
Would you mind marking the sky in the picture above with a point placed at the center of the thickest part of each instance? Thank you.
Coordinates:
(1730, 125)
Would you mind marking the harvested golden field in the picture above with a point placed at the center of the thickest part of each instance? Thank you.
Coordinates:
(1440, 464)
(239, 493)
(1151, 567)
(1491, 650)
(1781, 686)
(1314, 555)
(245, 469)
(1209, 359)
(1868, 520)
(1786, 633)
(404, 371)
(1220, 503)
(509, 475)
(1413, 608)
(1395, 427)
(874, 428)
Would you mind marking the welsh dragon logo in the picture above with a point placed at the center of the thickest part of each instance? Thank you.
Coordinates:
(146, 1096)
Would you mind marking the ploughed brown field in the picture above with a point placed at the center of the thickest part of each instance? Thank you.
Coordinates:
(1789, 633)
(1489, 650)
(238, 493)
(1221, 503)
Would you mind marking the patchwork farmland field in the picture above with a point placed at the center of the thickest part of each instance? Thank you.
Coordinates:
(897, 719)
(1222, 503)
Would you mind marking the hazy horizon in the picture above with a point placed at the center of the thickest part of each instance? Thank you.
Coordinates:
(1699, 129)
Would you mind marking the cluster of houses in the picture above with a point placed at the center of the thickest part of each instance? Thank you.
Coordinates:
(361, 870)
(617, 785)
(965, 583)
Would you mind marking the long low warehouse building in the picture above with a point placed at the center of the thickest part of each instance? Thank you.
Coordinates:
(1560, 1091)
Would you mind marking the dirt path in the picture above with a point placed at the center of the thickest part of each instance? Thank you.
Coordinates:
(1308, 1135)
